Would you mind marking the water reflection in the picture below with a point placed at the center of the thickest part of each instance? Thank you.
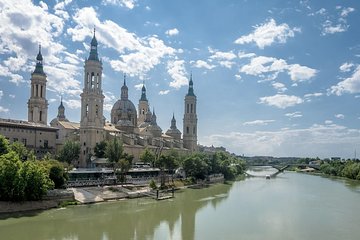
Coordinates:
(129, 219)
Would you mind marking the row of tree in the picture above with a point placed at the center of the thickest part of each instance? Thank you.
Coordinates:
(349, 169)
(23, 177)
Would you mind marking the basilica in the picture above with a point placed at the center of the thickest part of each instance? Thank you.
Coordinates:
(136, 128)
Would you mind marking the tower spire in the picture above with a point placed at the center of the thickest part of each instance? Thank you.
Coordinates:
(93, 49)
(124, 90)
(39, 62)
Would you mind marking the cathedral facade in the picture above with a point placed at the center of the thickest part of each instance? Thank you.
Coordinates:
(136, 128)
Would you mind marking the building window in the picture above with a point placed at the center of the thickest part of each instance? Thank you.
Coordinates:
(46, 143)
(41, 92)
(40, 115)
(92, 80)
(187, 129)
(96, 110)
(97, 81)
(191, 110)
(187, 108)
(15, 139)
(37, 90)
(87, 109)
(23, 141)
(84, 143)
(87, 80)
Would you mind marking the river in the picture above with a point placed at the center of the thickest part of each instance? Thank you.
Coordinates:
(290, 206)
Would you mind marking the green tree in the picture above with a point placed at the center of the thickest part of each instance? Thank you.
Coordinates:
(11, 185)
(100, 149)
(69, 152)
(195, 167)
(37, 180)
(114, 152)
(20, 149)
(147, 156)
(4, 145)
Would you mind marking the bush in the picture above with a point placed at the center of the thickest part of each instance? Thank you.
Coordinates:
(152, 184)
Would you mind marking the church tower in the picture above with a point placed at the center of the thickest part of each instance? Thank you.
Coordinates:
(37, 104)
(92, 101)
(190, 119)
(61, 112)
(143, 106)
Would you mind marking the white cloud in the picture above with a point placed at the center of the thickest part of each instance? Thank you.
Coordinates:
(308, 97)
(340, 116)
(73, 103)
(328, 122)
(1, 94)
(176, 69)
(238, 76)
(258, 123)
(164, 92)
(130, 4)
(268, 33)
(346, 11)
(246, 55)
(268, 68)
(137, 56)
(301, 73)
(346, 67)
(280, 87)
(349, 85)
(223, 55)
(330, 28)
(12, 96)
(203, 64)
(3, 110)
(138, 86)
(281, 101)
(172, 32)
(318, 140)
(294, 115)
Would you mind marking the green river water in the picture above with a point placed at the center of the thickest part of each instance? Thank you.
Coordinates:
(290, 206)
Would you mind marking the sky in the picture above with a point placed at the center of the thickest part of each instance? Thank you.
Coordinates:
(275, 78)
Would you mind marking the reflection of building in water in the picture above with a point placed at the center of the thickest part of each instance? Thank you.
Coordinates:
(133, 219)
(137, 130)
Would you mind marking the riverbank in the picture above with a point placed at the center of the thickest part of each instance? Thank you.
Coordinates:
(53, 199)
(98, 194)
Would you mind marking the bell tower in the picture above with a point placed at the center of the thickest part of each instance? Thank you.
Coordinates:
(37, 104)
(190, 119)
(92, 102)
(143, 106)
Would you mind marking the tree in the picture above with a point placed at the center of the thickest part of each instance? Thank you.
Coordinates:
(37, 180)
(69, 152)
(4, 145)
(20, 149)
(195, 167)
(11, 185)
(114, 152)
(100, 149)
(147, 156)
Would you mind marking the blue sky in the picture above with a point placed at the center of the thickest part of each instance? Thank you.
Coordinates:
(278, 78)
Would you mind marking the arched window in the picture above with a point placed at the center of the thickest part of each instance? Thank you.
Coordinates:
(40, 117)
(97, 81)
(87, 80)
(41, 90)
(191, 109)
(92, 80)
(37, 90)
(187, 130)
(87, 110)
(96, 110)
(187, 108)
